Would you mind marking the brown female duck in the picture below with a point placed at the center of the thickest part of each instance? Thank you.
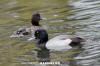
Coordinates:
(28, 30)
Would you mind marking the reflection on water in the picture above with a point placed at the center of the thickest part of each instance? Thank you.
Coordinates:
(76, 17)
(43, 55)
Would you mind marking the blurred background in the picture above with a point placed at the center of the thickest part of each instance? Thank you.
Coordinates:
(75, 17)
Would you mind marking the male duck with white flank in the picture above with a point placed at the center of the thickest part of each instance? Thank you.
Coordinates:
(28, 30)
(61, 42)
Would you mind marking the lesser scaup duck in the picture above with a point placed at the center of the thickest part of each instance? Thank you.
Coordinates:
(28, 30)
(61, 42)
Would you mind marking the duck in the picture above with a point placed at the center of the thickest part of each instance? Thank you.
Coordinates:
(58, 43)
(29, 30)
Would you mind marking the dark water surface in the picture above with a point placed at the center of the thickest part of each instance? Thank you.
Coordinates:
(75, 17)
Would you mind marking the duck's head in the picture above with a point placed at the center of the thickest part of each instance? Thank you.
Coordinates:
(35, 19)
(40, 34)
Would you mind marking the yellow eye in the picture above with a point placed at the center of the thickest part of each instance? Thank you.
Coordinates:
(37, 32)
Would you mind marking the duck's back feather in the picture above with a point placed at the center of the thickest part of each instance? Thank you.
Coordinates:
(26, 30)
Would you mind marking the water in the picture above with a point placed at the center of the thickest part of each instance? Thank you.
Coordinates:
(75, 17)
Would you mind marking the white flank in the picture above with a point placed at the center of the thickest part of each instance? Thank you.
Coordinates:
(58, 44)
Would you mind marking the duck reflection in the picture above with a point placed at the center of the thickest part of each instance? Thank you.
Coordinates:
(65, 57)
(43, 55)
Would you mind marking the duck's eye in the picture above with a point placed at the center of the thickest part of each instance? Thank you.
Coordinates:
(37, 32)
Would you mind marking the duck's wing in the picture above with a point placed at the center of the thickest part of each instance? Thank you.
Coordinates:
(75, 41)
(73, 38)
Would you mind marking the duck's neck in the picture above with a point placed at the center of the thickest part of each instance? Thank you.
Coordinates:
(43, 41)
(35, 23)
(42, 44)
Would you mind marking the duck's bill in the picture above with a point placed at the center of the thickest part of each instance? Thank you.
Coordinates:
(43, 18)
(32, 38)
(16, 36)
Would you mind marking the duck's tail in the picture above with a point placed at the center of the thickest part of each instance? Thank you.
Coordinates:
(81, 39)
